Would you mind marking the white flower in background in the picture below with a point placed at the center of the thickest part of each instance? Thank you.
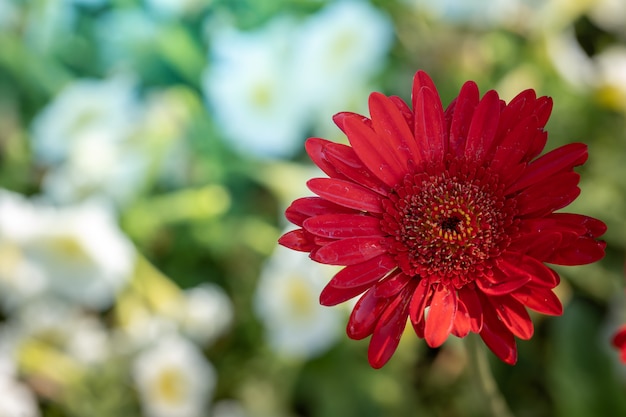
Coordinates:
(250, 89)
(60, 326)
(228, 408)
(207, 313)
(82, 138)
(338, 50)
(174, 379)
(16, 400)
(77, 253)
(202, 313)
(286, 301)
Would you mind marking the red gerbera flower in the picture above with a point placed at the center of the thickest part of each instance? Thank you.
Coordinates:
(445, 217)
(619, 341)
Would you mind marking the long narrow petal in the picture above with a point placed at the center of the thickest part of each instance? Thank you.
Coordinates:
(365, 315)
(364, 273)
(349, 251)
(315, 149)
(440, 316)
(339, 226)
(498, 338)
(305, 207)
(299, 240)
(331, 295)
(419, 300)
(388, 331)
(511, 150)
(474, 307)
(376, 154)
(513, 315)
(346, 162)
(462, 118)
(392, 284)
(347, 194)
(550, 195)
(540, 299)
(483, 128)
(560, 159)
(430, 126)
(390, 125)
(582, 251)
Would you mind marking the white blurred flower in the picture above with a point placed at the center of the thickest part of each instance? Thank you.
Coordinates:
(82, 138)
(286, 301)
(174, 379)
(338, 50)
(16, 400)
(250, 89)
(60, 326)
(76, 253)
(206, 314)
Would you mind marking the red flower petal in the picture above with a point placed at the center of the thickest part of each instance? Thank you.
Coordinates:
(339, 226)
(560, 159)
(540, 299)
(365, 315)
(365, 273)
(541, 199)
(440, 316)
(303, 208)
(391, 285)
(510, 149)
(388, 331)
(498, 338)
(332, 295)
(299, 240)
(347, 194)
(391, 127)
(377, 155)
(430, 134)
(483, 128)
(315, 148)
(462, 118)
(580, 252)
(470, 299)
(419, 300)
(346, 162)
(513, 315)
(349, 251)
(462, 320)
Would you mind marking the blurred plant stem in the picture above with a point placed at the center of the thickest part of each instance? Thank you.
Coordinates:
(486, 384)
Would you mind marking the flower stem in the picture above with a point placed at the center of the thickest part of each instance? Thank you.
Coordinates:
(479, 366)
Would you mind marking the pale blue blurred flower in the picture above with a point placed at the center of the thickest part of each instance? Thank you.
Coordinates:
(251, 92)
(475, 12)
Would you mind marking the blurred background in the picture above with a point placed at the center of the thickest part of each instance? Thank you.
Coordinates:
(148, 149)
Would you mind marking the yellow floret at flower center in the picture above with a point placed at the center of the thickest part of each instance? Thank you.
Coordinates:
(444, 227)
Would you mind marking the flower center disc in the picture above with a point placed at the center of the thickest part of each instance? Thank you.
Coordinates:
(444, 228)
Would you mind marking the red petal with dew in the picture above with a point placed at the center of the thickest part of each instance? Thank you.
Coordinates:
(315, 149)
(541, 199)
(377, 155)
(540, 299)
(440, 316)
(365, 315)
(430, 126)
(474, 307)
(349, 251)
(462, 116)
(298, 240)
(305, 207)
(343, 158)
(390, 125)
(364, 273)
(498, 338)
(392, 285)
(347, 194)
(340, 226)
(560, 159)
(514, 316)
(483, 128)
(388, 331)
